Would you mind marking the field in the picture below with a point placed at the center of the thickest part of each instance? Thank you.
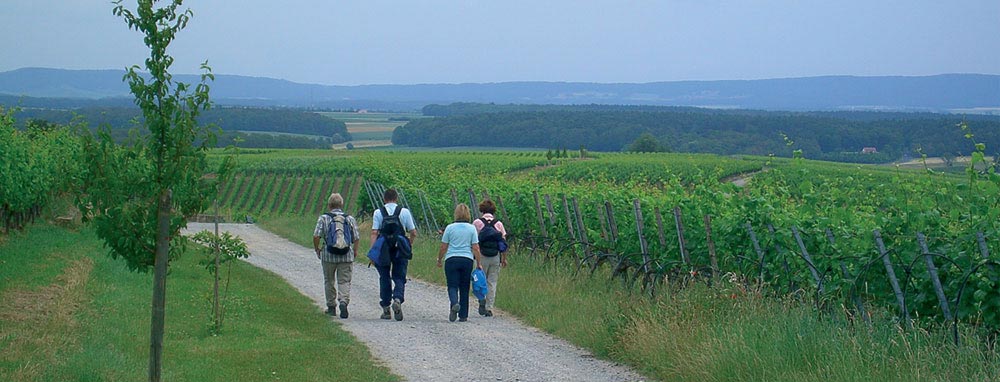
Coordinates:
(370, 129)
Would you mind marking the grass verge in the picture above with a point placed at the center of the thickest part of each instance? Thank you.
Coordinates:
(707, 334)
(70, 312)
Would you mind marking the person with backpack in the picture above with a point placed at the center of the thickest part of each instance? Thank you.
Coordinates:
(340, 235)
(459, 247)
(491, 234)
(392, 222)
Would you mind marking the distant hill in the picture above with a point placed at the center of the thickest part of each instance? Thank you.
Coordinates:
(939, 93)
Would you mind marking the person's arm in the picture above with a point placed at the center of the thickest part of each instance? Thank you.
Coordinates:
(441, 252)
(477, 255)
(316, 246)
(413, 236)
(503, 233)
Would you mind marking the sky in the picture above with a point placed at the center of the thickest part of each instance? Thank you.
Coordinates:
(338, 42)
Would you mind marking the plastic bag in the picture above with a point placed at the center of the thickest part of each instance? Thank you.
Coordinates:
(479, 286)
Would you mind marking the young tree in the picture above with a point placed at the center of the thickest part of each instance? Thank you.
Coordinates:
(139, 193)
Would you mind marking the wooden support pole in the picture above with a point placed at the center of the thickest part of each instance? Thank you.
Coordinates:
(893, 281)
(760, 252)
(581, 228)
(552, 212)
(569, 220)
(659, 227)
(984, 251)
(932, 271)
(473, 204)
(612, 225)
(808, 259)
(602, 216)
(685, 257)
(784, 262)
(538, 213)
(454, 199)
(711, 246)
(642, 239)
(502, 210)
(430, 209)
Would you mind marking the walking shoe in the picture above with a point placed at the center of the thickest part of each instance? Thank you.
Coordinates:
(482, 307)
(397, 309)
(331, 310)
(463, 319)
(489, 313)
(343, 309)
(385, 313)
(453, 314)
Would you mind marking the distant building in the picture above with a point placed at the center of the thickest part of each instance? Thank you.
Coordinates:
(869, 150)
(363, 111)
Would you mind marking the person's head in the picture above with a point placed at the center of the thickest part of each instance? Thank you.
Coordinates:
(487, 207)
(390, 196)
(462, 213)
(335, 201)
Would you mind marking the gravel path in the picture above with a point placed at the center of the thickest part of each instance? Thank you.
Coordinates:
(425, 346)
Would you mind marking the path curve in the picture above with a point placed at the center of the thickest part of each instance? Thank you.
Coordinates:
(425, 346)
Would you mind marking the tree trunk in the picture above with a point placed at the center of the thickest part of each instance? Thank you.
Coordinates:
(159, 285)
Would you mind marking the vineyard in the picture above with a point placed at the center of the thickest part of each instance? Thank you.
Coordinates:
(883, 243)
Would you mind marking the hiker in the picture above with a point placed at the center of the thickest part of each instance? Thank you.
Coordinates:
(390, 221)
(493, 259)
(459, 247)
(340, 234)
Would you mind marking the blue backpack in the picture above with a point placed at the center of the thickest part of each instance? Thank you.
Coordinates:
(339, 234)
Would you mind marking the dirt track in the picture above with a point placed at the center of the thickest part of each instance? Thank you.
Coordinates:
(425, 346)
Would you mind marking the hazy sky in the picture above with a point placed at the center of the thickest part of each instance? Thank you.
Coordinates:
(438, 41)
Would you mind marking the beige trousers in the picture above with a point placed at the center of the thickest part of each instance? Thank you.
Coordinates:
(337, 280)
(491, 265)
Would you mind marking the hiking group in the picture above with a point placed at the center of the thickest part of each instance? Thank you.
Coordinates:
(466, 245)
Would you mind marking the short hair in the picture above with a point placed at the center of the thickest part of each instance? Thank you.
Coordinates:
(335, 201)
(462, 213)
(487, 207)
(390, 195)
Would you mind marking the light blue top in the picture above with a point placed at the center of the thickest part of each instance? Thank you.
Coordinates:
(404, 217)
(460, 237)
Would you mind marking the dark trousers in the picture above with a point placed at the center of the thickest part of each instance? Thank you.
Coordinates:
(458, 271)
(389, 276)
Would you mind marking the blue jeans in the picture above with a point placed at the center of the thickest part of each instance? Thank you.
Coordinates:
(458, 271)
(394, 273)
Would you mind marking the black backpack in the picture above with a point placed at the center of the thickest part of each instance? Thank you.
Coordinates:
(489, 238)
(393, 233)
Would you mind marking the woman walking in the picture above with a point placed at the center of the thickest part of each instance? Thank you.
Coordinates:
(491, 232)
(459, 247)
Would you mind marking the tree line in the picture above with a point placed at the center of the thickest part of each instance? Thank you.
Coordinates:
(837, 136)
(228, 119)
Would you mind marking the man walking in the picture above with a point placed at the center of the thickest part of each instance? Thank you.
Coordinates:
(340, 233)
(390, 221)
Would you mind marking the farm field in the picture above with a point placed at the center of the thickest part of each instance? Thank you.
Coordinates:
(370, 129)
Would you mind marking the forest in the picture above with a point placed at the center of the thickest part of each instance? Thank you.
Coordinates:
(835, 135)
(228, 119)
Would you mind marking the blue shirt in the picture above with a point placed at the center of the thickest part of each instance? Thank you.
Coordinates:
(404, 217)
(460, 237)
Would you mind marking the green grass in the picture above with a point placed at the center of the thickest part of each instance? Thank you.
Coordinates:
(70, 312)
